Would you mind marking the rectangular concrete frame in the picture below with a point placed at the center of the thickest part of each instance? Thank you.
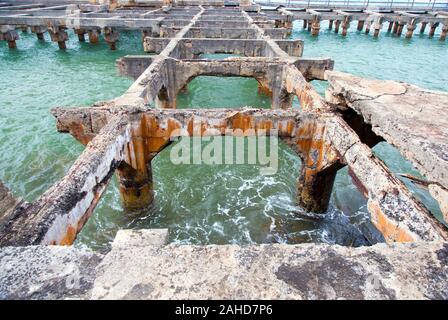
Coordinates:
(123, 135)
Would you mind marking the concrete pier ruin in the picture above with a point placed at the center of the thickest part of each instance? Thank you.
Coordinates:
(123, 135)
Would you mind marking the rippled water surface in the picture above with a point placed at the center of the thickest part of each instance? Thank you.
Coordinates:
(199, 204)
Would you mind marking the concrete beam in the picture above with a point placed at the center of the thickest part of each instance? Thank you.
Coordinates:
(60, 213)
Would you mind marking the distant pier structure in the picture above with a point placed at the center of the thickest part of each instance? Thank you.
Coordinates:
(157, 18)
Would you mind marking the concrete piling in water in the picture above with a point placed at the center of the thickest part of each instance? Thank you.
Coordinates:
(59, 35)
(336, 26)
(423, 27)
(10, 35)
(81, 34)
(444, 32)
(410, 30)
(345, 26)
(400, 29)
(94, 36)
(111, 37)
(432, 28)
(360, 25)
(39, 31)
(389, 28)
(315, 27)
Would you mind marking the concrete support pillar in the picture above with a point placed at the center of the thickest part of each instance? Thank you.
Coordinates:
(81, 34)
(305, 24)
(432, 28)
(410, 30)
(345, 26)
(319, 168)
(281, 99)
(395, 30)
(146, 33)
(10, 35)
(391, 24)
(330, 25)
(423, 27)
(360, 25)
(336, 26)
(111, 37)
(376, 32)
(377, 26)
(444, 32)
(58, 35)
(166, 98)
(135, 181)
(400, 29)
(94, 36)
(263, 89)
(368, 25)
(39, 31)
(315, 27)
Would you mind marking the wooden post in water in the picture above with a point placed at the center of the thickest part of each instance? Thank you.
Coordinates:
(330, 25)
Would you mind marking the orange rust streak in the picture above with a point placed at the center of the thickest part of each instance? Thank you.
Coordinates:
(78, 131)
(69, 236)
(390, 231)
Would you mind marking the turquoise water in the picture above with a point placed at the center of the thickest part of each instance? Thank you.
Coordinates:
(199, 204)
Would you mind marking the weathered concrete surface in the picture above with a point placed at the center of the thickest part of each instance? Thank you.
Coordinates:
(410, 118)
(189, 48)
(306, 271)
(393, 209)
(47, 272)
(141, 266)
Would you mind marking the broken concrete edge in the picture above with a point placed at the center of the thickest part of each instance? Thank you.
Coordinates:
(396, 213)
(60, 213)
(402, 105)
(140, 265)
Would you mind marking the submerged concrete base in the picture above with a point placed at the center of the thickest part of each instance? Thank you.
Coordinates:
(141, 266)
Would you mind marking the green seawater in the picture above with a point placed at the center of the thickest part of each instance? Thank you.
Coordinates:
(207, 203)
